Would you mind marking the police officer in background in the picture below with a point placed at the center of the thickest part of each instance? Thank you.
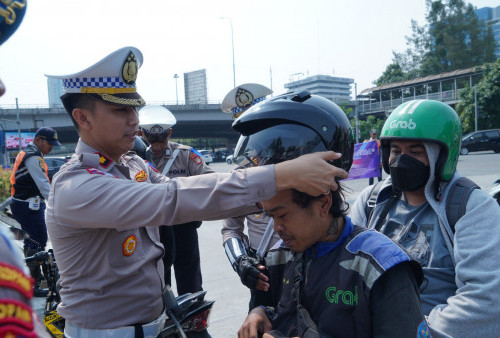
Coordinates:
(104, 207)
(30, 187)
(15, 293)
(175, 160)
(241, 250)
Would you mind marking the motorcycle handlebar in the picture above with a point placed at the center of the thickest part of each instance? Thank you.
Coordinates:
(38, 257)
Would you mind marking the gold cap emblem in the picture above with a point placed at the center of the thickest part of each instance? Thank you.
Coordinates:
(129, 70)
(243, 98)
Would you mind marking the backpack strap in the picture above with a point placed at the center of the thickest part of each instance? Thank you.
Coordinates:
(372, 200)
(457, 199)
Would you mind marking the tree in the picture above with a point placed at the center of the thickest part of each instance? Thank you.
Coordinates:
(452, 38)
(488, 101)
(393, 73)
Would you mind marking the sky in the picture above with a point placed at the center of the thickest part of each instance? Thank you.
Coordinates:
(275, 41)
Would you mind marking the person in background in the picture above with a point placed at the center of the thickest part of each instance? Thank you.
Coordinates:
(30, 188)
(105, 207)
(415, 207)
(339, 279)
(16, 286)
(373, 138)
(241, 249)
(175, 160)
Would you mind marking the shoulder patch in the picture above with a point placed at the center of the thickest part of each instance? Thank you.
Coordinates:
(99, 172)
(15, 313)
(41, 162)
(195, 151)
(195, 156)
(14, 278)
(103, 160)
(423, 329)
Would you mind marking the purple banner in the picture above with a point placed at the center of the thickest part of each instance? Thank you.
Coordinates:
(366, 161)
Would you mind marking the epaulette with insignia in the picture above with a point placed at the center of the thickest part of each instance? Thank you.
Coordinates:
(151, 166)
(103, 160)
(99, 172)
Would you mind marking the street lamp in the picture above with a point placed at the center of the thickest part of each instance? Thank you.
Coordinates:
(176, 94)
(232, 44)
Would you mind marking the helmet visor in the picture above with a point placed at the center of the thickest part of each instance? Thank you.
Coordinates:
(276, 144)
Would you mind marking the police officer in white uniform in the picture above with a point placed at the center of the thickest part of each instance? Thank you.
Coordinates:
(241, 249)
(175, 160)
(104, 209)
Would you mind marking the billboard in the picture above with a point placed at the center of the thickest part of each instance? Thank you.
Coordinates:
(12, 139)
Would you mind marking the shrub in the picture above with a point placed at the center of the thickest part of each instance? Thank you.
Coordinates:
(4, 183)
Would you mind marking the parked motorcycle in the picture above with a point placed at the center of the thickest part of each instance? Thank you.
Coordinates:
(495, 191)
(187, 313)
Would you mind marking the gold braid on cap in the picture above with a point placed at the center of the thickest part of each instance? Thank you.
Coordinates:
(122, 101)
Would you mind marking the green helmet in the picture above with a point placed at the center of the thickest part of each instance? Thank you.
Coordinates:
(428, 121)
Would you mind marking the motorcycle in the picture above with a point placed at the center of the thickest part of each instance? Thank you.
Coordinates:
(495, 191)
(187, 314)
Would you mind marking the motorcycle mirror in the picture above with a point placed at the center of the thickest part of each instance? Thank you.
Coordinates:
(169, 298)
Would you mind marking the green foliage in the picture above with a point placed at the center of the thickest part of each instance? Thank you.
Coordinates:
(453, 38)
(393, 73)
(488, 101)
(370, 123)
(4, 183)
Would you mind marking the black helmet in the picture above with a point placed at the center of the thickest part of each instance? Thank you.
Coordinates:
(290, 125)
(140, 148)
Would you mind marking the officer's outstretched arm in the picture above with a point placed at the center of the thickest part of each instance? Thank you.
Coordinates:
(310, 173)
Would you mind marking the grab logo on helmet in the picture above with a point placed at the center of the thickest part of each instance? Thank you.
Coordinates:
(403, 124)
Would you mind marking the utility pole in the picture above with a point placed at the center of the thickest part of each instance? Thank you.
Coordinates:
(475, 108)
(19, 126)
(176, 93)
(356, 112)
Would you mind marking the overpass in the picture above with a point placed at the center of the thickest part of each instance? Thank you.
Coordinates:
(445, 87)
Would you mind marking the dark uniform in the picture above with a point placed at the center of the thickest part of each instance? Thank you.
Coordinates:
(361, 285)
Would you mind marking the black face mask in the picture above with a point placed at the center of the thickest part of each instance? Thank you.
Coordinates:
(408, 173)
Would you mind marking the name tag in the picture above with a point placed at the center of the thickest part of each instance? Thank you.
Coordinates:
(34, 203)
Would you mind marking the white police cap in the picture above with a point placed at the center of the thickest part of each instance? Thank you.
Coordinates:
(112, 80)
(156, 119)
(243, 97)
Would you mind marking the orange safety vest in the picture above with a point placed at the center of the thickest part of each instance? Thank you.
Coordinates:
(19, 160)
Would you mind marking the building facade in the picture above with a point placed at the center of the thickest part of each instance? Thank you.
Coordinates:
(55, 89)
(336, 89)
(492, 17)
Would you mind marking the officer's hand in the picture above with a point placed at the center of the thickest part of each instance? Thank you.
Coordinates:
(309, 173)
(255, 324)
(249, 270)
